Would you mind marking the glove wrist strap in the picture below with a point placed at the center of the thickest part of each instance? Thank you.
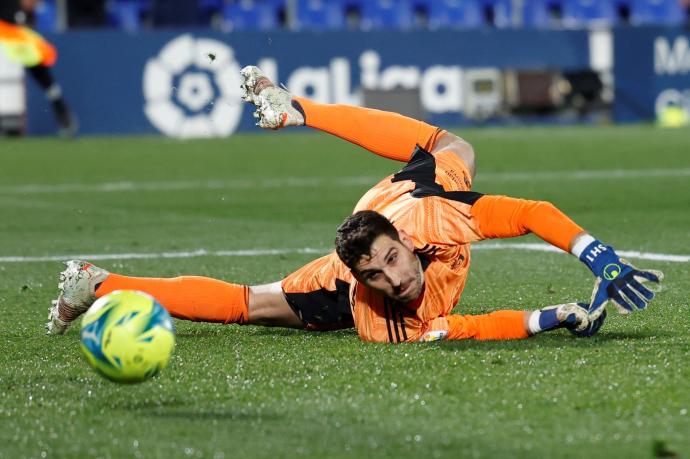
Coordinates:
(544, 320)
(598, 256)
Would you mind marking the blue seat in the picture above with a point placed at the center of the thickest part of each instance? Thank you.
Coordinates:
(320, 15)
(542, 14)
(250, 15)
(211, 5)
(387, 14)
(455, 14)
(656, 12)
(209, 10)
(580, 13)
(498, 13)
(46, 17)
(126, 14)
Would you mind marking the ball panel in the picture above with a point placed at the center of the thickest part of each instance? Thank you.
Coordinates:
(127, 336)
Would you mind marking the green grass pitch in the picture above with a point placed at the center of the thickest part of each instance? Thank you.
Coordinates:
(251, 392)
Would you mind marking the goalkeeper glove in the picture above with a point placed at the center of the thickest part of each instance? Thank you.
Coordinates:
(617, 280)
(572, 316)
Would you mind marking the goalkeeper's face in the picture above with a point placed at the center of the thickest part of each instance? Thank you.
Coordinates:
(392, 268)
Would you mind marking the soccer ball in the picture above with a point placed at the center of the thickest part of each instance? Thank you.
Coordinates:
(127, 336)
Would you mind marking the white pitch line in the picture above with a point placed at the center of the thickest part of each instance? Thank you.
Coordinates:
(534, 247)
(115, 187)
(537, 247)
(159, 255)
(610, 174)
(313, 182)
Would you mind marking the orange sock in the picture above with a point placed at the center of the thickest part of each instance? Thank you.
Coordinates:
(502, 216)
(386, 134)
(189, 297)
(494, 326)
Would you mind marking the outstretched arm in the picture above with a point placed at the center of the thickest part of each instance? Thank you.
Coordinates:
(617, 280)
(502, 325)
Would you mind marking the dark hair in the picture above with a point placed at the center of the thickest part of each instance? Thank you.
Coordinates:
(356, 234)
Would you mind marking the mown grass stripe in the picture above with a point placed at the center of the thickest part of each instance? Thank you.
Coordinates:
(312, 182)
(534, 247)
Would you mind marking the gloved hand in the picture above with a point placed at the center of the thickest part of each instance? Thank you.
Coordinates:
(572, 316)
(617, 281)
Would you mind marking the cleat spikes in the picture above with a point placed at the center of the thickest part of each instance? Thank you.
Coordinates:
(274, 104)
(77, 293)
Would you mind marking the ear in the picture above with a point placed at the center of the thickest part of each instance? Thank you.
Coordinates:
(406, 240)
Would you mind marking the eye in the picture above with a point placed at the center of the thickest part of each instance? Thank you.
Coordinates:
(374, 276)
(392, 258)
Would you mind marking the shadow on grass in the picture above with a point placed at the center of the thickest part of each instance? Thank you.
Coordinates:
(200, 333)
(277, 331)
(554, 341)
(258, 330)
(176, 408)
(635, 335)
(190, 414)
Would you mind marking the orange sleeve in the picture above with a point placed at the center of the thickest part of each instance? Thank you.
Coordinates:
(386, 134)
(503, 217)
(497, 325)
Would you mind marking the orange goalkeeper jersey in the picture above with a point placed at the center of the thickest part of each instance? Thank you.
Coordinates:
(430, 199)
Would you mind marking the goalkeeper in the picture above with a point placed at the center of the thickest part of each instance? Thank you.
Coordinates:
(401, 259)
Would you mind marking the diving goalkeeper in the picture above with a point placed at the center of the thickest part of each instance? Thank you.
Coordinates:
(401, 259)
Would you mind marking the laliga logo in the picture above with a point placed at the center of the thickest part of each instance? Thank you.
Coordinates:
(192, 89)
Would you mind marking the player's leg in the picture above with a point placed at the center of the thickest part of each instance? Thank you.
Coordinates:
(53, 91)
(306, 301)
(384, 133)
(319, 294)
(186, 297)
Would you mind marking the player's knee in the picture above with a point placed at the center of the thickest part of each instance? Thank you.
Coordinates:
(268, 307)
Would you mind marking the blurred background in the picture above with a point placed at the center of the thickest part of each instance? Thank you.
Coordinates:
(170, 66)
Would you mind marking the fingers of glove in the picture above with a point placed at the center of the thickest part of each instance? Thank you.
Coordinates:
(647, 274)
(622, 306)
(599, 296)
(594, 315)
(650, 275)
(641, 290)
(633, 298)
(595, 324)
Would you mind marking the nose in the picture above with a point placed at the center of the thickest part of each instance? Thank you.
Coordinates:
(393, 278)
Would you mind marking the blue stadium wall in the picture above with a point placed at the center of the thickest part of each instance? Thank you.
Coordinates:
(651, 72)
(184, 83)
